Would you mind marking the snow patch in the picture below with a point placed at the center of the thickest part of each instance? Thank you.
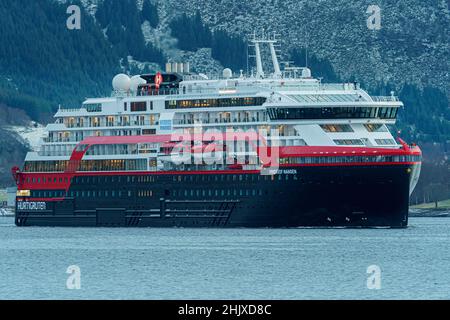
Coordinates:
(143, 66)
(89, 5)
(30, 134)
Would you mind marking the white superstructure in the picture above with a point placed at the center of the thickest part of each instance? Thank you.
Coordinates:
(305, 111)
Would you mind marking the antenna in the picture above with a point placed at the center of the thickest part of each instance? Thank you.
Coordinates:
(259, 67)
(272, 41)
(247, 61)
(306, 56)
(306, 46)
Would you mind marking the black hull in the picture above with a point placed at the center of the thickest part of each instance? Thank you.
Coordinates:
(332, 196)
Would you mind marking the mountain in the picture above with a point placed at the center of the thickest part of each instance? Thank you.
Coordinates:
(44, 64)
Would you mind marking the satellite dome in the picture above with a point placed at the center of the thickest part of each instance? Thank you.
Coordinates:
(135, 81)
(306, 73)
(227, 73)
(121, 82)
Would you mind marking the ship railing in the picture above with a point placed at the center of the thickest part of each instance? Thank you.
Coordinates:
(251, 87)
(385, 98)
(314, 86)
(339, 86)
(58, 140)
(215, 121)
(73, 125)
(114, 124)
(54, 154)
(191, 91)
(160, 92)
(63, 109)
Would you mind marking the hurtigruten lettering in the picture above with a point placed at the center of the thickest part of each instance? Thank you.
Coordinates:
(34, 206)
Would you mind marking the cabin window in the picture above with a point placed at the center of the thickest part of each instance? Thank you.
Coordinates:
(348, 142)
(138, 106)
(385, 141)
(336, 128)
(371, 127)
(93, 107)
(148, 132)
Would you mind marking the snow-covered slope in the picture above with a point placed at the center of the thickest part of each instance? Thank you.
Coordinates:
(413, 43)
(31, 134)
(412, 46)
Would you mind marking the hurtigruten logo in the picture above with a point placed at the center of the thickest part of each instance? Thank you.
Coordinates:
(32, 206)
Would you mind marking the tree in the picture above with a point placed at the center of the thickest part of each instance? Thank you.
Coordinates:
(150, 13)
(321, 68)
(231, 51)
(191, 33)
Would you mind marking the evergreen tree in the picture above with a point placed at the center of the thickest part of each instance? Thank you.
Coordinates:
(191, 33)
(231, 51)
(122, 20)
(47, 63)
(321, 68)
(150, 13)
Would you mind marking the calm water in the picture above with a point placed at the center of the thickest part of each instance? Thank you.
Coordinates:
(226, 264)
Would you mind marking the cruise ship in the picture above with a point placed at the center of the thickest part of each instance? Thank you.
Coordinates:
(273, 148)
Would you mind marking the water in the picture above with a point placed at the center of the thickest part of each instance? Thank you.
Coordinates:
(226, 264)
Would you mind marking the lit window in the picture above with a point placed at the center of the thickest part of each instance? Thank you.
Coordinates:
(336, 128)
(348, 142)
(138, 106)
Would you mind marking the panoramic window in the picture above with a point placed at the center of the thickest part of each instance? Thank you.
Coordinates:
(332, 113)
(215, 103)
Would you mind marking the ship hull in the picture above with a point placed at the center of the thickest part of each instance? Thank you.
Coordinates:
(309, 196)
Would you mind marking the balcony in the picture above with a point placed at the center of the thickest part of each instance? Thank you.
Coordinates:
(60, 140)
(54, 154)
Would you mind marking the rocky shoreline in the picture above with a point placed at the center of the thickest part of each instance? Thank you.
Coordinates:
(441, 213)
